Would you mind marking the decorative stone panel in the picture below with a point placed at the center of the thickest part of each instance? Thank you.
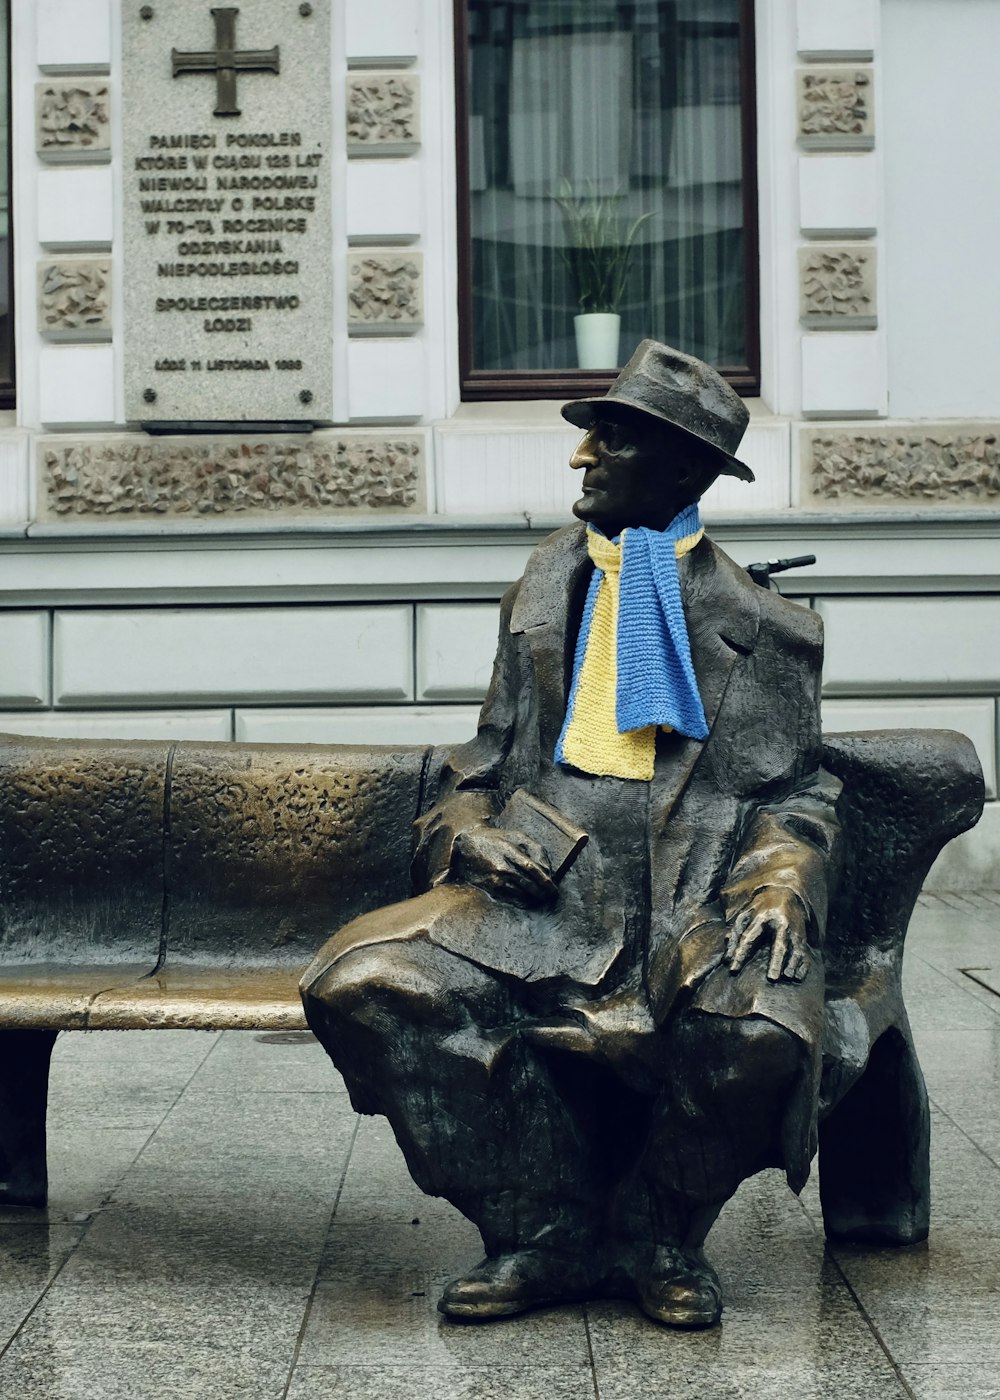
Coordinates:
(837, 287)
(383, 114)
(911, 466)
(73, 120)
(835, 109)
(74, 299)
(128, 477)
(384, 294)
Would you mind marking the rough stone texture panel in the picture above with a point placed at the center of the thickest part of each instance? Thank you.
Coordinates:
(835, 109)
(837, 287)
(383, 113)
(72, 118)
(74, 299)
(273, 847)
(131, 476)
(905, 465)
(384, 292)
(81, 850)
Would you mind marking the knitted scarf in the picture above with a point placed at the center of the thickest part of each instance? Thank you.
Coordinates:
(632, 671)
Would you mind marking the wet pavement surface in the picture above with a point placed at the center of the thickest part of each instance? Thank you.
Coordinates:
(222, 1225)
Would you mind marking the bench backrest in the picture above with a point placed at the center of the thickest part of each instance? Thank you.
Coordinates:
(253, 854)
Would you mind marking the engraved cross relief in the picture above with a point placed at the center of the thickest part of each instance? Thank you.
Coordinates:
(225, 61)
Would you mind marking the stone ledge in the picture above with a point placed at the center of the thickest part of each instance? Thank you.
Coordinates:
(128, 477)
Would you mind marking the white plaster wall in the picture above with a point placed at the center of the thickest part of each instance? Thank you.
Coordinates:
(940, 135)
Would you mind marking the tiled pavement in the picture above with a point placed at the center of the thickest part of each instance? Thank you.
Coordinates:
(223, 1226)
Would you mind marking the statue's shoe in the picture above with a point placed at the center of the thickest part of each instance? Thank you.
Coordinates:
(680, 1289)
(512, 1283)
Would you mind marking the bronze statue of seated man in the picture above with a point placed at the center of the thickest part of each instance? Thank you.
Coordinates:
(603, 1008)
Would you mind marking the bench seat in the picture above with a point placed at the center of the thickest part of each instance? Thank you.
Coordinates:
(179, 997)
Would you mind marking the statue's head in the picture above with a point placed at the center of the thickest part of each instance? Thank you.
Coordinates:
(666, 428)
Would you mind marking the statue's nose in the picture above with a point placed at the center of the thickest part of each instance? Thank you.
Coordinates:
(584, 456)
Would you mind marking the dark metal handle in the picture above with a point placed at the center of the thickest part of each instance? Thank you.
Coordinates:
(761, 573)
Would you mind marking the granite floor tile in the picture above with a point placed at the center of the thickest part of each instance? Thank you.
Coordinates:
(441, 1244)
(507, 1381)
(254, 1062)
(106, 1049)
(947, 1331)
(390, 1318)
(30, 1256)
(85, 1165)
(962, 1070)
(219, 1242)
(818, 1349)
(949, 939)
(952, 1382)
(61, 1368)
(251, 1319)
(933, 1000)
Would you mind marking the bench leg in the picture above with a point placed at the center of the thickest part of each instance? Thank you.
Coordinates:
(874, 1151)
(24, 1087)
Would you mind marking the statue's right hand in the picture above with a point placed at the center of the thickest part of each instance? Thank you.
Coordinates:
(506, 864)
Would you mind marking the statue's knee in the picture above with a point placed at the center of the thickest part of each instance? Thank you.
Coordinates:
(741, 1052)
(776, 1053)
(375, 981)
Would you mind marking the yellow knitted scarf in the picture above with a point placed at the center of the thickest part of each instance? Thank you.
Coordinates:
(591, 740)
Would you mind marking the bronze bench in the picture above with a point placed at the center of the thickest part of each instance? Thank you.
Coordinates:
(161, 886)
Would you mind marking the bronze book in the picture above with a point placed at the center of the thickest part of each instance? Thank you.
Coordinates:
(560, 839)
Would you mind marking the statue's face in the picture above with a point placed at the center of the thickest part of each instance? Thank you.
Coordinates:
(634, 474)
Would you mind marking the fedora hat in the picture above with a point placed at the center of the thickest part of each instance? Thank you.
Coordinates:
(675, 388)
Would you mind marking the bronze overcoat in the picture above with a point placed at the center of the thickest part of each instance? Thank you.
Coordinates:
(670, 863)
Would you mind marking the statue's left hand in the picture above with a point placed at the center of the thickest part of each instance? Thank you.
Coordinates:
(775, 917)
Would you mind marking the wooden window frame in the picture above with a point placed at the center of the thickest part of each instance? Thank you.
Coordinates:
(8, 391)
(480, 385)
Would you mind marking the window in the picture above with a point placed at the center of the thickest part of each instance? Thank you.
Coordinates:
(606, 165)
(6, 252)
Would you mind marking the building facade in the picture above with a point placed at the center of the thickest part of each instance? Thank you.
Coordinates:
(290, 319)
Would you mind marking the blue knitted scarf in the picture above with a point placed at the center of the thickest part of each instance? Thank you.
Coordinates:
(655, 682)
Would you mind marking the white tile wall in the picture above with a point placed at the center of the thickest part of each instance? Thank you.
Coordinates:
(766, 449)
(456, 643)
(493, 469)
(24, 658)
(15, 496)
(382, 31)
(490, 470)
(150, 724)
(386, 380)
(843, 374)
(837, 28)
(384, 200)
(395, 724)
(76, 386)
(911, 645)
(838, 195)
(165, 656)
(73, 36)
(76, 208)
(976, 718)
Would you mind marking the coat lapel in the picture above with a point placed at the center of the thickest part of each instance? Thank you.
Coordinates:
(547, 611)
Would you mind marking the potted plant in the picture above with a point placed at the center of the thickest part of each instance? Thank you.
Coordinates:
(598, 255)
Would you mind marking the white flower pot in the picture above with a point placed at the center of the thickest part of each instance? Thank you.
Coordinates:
(597, 334)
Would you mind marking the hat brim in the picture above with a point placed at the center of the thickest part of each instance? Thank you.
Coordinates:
(582, 413)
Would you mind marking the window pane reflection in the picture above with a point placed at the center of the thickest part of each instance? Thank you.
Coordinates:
(6, 301)
(592, 122)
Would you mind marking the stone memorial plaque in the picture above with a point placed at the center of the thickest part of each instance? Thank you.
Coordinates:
(227, 211)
